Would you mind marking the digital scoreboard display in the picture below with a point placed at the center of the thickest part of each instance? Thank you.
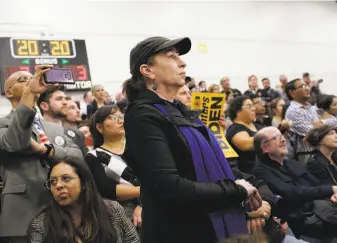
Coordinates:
(24, 54)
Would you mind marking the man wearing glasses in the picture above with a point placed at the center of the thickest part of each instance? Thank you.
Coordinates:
(26, 150)
(303, 117)
(295, 187)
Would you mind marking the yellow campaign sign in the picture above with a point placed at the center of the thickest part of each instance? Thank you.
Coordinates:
(212, 105)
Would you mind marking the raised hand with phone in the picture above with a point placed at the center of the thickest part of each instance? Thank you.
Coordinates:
(35, 86)
(59, 76)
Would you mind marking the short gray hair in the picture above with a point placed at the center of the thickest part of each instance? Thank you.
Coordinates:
(94, 87)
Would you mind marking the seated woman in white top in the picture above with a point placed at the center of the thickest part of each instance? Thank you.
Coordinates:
(113, 178)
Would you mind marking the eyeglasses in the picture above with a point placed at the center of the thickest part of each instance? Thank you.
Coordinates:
(65, 179)
(250, 106)
(20, 80)
(302, 86)
(260, 102)
(116, 118)
(276, 138)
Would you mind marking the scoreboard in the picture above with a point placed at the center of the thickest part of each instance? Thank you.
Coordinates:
(17, 54)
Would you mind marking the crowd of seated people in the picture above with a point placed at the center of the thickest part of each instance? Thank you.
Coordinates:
(91, 173)
(293, 152)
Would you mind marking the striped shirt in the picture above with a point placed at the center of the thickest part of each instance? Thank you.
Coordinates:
(302, 118)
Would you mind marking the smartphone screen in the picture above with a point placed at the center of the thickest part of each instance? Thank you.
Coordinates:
(59, 75)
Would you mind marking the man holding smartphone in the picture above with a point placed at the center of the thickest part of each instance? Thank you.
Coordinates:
(26, 150)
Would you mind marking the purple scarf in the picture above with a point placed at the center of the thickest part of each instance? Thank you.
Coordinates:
(210, 165)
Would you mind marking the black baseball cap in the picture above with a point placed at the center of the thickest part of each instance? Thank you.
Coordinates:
(145, 49)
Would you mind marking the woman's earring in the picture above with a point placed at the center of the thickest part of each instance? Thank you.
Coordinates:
(154, 87)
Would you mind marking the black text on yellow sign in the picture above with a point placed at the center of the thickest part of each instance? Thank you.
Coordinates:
(212, 105)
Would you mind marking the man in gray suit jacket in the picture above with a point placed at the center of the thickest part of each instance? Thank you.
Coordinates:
(23, 158)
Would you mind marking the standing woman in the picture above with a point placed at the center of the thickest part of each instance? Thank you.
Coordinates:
(187, 188)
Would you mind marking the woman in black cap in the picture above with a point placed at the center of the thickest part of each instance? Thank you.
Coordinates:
(188, 191)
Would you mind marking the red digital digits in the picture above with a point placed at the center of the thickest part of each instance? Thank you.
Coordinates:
(8, 71)
(55, 66)
(24, 68)
(82, 73)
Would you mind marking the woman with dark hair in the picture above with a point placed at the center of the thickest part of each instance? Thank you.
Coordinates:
(322, 163)
(77, 213)
(241, 133)
(202, 86)
(189, 193)
(114, 179)
(328, 108)
(276, 107)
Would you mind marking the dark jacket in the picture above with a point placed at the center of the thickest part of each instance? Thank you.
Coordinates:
(234, 92)
(92, 108)
(265, 193)
(320, 167)
(78, 138)
(294, 185)
(175, 206)
(269, 94)
(250, 92)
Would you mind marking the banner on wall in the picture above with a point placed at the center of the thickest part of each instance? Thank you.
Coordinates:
(212, 105)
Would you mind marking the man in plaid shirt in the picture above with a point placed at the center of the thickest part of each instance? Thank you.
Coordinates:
(302, 115)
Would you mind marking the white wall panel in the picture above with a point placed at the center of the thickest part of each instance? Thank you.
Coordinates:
(242, 38)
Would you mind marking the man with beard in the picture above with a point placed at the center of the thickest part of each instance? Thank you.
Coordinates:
(71, 122)
(54, 108)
